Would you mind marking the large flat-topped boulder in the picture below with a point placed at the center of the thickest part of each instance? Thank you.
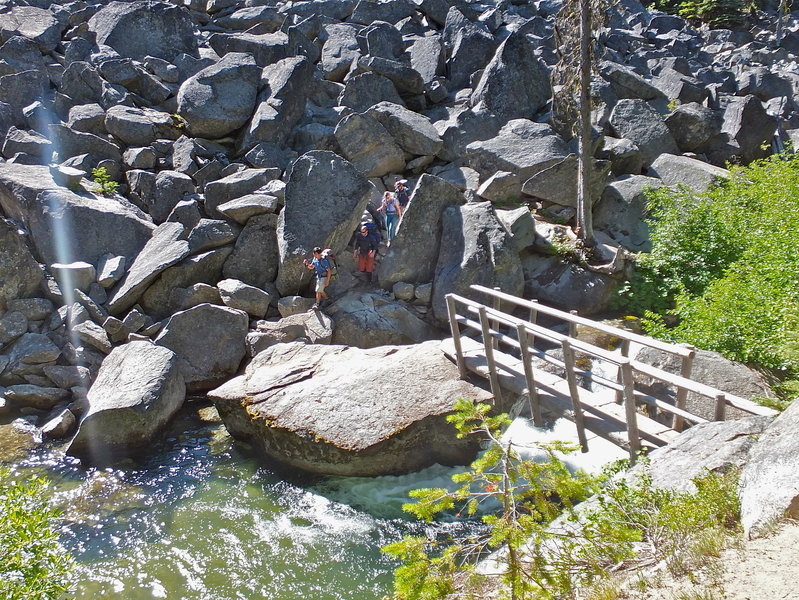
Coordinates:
(337, 410)
(89, 225)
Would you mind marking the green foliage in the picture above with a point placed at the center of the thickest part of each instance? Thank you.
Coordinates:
(723, 273)
(516, 501)
(675, 525)
(33, 566)
(715, 13)
(513, 498)
(105, 185)
(179, 122)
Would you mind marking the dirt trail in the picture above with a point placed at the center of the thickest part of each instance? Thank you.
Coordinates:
(761, 569)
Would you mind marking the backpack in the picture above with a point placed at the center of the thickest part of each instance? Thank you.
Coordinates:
(373, 231)
(402, 197)
(328, 254)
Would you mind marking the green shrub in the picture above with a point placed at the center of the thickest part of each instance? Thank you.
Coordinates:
(723, 273)
(105, 185)
(525, 495)
(715, 13)
(33, 566)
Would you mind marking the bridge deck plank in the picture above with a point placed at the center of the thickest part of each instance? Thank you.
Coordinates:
(602, 415)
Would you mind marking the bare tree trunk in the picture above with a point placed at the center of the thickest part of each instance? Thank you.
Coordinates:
(585, 222)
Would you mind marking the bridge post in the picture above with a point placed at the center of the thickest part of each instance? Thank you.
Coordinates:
(682, 393)
(630, 413)
(625, 352)
(721, 407)
(533, 312)
(489, 351)
(532, 392)
(572, 325)
(495, 324)
(574, 392)
(456, 335)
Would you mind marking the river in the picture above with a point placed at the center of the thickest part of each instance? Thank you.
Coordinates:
(201, 518)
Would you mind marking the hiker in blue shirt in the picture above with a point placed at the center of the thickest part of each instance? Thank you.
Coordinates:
(322, 272)
(393, 213)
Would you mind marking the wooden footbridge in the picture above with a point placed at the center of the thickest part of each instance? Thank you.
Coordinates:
(513, 352)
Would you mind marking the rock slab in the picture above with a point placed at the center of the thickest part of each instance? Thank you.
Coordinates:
(769, 485)
(138, 389)
(336, 410)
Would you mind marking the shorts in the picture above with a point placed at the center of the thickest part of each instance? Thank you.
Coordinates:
(320, 284)
(366, 262)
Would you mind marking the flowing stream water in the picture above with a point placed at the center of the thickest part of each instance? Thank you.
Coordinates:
(201, 518)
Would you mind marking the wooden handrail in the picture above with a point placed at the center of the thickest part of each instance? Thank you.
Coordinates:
(543, 332)
(682, 383)
(491, 321)
(675, 349)
(702, 389)
(639, 396)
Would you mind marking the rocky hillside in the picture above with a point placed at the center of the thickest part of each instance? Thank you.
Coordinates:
(244, 133)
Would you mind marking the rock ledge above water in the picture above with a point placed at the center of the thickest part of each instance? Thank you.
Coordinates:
(336, 410)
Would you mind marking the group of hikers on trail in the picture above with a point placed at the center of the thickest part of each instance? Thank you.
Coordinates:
(367, 242)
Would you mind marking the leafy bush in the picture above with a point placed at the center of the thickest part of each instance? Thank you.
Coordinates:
(528, 495)
(105, 185)
(33, 566)
(723, 273)
(716, 13)
(519, 498)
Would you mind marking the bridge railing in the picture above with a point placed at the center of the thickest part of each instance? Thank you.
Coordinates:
(521, 337)
(685, 353)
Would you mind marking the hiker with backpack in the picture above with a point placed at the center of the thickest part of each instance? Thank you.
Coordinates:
(366, 245)
(401, 193)
(393, 211)
(322, 272)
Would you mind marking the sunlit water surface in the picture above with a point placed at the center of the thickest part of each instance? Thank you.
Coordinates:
(201, 518)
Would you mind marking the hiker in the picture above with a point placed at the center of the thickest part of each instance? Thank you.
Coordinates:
(366, 246)
(393, 213)
(401, 193)
(322, 271)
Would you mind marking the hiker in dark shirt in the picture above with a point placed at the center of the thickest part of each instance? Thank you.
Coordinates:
(401, 193)
(366, 246)
(322, 272)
